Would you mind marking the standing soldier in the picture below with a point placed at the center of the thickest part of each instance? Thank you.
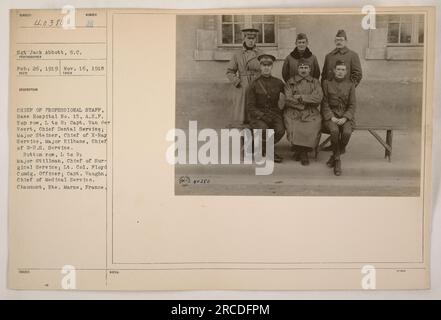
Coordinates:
(242, 69)
(263, 102)
(342, 53)
(300, 52)
(338, 109)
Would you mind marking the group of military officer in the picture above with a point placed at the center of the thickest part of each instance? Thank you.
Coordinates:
(265, 102)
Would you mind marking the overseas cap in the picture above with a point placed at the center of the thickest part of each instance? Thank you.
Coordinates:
(301, 36)
(341, 33)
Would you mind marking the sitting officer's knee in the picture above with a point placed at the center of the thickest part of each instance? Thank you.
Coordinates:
(259, 124)
(334, 131)
(347, 132)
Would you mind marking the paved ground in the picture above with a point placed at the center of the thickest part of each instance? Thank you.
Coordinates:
(365, 172)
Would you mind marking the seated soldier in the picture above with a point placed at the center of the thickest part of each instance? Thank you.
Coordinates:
(263, 102)
(338, 109)
(303, 122)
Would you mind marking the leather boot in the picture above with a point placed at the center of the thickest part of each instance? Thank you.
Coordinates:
(331, 162)
(304, 160)
(337, 167)
(277, 158)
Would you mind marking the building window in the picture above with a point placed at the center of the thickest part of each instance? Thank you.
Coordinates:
(231, 26)
(405, 30)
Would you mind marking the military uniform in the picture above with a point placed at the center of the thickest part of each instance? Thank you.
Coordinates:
(302, 118)
(291, 64)
(352, 61)
(338, 101)
(263, 105)
(242, 69)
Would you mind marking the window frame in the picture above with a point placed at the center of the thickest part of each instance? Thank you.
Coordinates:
(414, 33)
(247, 21)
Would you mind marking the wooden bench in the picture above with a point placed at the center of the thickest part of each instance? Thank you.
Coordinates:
(386, 143)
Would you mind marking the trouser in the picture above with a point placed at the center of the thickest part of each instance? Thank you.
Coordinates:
(340, 136)
(274, 122)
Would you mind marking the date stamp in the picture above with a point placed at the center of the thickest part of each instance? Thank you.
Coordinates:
(186, 180)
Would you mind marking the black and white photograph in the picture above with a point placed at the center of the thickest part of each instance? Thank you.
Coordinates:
(341, 95)
(220, 150)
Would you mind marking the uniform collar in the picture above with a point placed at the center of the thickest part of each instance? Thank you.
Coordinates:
(296, 53)
(246, 48)
(265, 77)
(338, 80)
(342, 50)
(298, 78)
